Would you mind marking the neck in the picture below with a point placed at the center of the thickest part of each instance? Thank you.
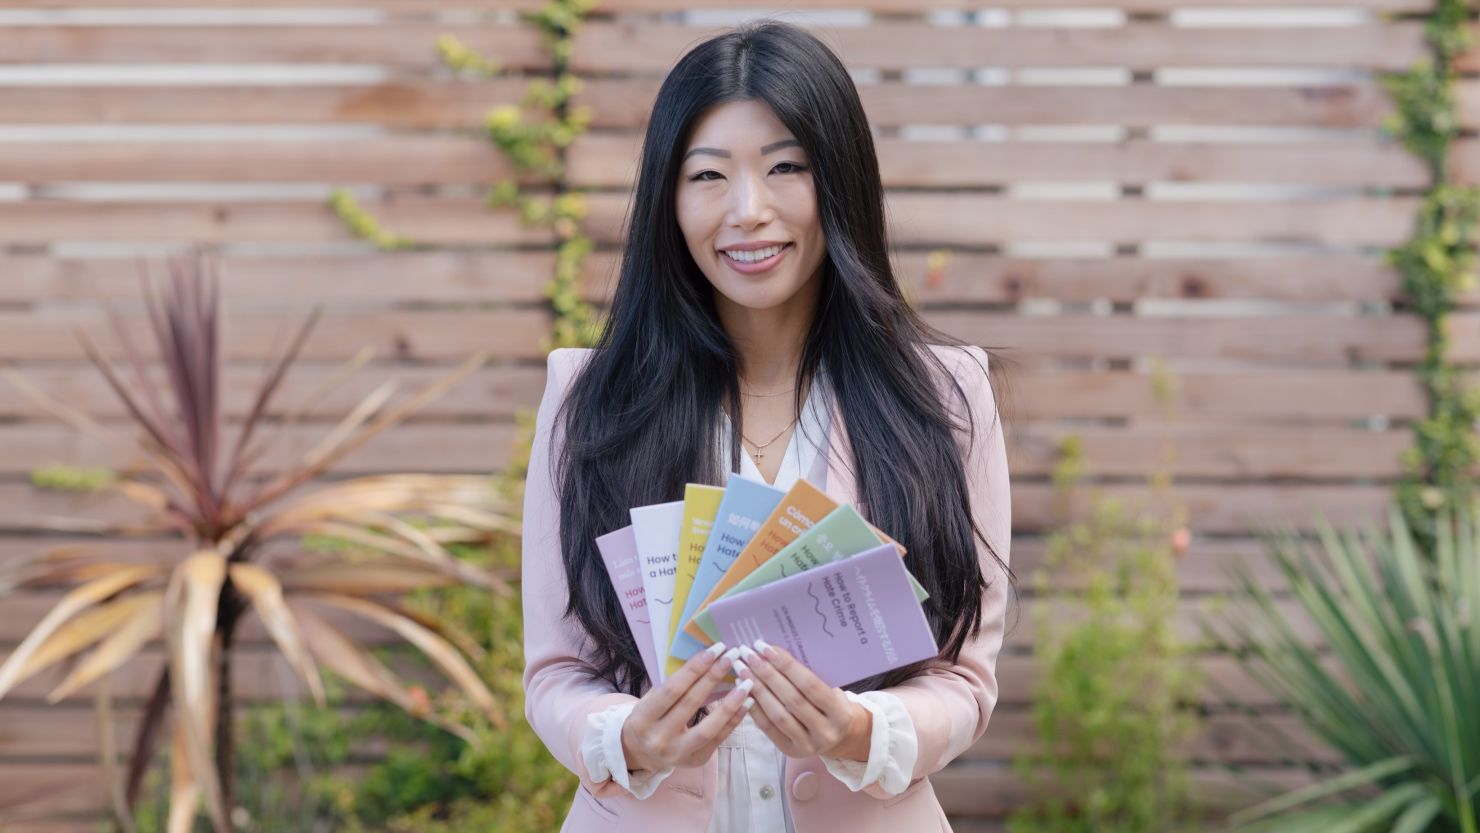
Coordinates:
(769, 341)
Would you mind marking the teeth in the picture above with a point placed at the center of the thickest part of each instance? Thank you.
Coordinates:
(757, 255)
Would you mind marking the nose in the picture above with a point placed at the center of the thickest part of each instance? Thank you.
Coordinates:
(750, 202)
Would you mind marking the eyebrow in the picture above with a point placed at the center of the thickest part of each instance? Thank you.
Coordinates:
(724, 154)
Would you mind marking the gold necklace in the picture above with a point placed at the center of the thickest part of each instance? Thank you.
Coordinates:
(763, 395)
(760, 455)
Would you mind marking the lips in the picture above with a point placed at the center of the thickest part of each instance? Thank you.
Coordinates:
(759, 266)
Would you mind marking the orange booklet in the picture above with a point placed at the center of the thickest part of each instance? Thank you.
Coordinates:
(803, 506)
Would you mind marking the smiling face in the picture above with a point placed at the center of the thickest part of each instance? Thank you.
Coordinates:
(747, 207)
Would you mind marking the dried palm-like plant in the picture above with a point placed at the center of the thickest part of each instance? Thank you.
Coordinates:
(241, 530)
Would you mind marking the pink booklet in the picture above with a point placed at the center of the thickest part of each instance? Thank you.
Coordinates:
(846, 619)
(619, 554)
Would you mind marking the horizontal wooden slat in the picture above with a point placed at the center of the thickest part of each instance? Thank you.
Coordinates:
(445, 336)
(984, 278)
(1211, 451)
(1229, 508)
(610, 162)
(480, 277)
(916, 219)
(294, 283)
(603, 162)
(429, 221)
(438, 449)
(338, 335)
(1202, 569)
(625, 103)
(1292, 397)
(67, 733)
(1234, 739)
(497, 392)
(407, 45)
(982, 791)
(653, 47)
(1306, 340)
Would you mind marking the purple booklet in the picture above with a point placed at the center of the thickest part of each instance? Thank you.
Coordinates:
(619, 554)
(846, 619)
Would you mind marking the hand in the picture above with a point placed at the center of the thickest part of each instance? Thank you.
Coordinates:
(656, 735)
(800, 713)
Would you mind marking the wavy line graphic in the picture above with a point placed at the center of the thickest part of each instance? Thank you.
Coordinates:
(667, 601)
(820, 614)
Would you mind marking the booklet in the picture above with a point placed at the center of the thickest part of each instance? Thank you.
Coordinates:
(843, 532)
(700, 504)
(802, 506)
(846, 620)
(745, 506)
(619, 554)
(656, 529)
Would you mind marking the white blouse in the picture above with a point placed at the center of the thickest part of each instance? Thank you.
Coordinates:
(751, 767)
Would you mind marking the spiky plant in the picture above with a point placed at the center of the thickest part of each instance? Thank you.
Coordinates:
(1398, 696)
(241, 532)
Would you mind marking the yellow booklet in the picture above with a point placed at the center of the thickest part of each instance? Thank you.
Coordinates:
(700, 505)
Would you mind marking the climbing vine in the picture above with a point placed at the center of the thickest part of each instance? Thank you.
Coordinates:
(534, 135)
(1436, 264)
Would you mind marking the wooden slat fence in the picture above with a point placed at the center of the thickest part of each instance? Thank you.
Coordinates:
(1134, 179)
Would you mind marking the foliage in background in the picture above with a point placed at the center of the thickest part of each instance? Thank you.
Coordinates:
(1396, 695)
(235, 521)
(424, 783)
(1437, 263)
(534, 135)
(1117, 688)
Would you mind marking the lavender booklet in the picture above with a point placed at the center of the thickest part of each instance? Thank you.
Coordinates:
(846, 620)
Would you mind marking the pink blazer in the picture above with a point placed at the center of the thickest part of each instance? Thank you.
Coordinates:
(949, 704)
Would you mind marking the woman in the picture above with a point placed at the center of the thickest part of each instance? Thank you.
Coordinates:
(757, 328)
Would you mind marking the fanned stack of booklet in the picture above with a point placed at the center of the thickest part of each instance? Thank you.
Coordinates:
(749, 561)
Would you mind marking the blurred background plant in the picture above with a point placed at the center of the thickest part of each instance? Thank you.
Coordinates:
(239, 519)
(1117, 691)
(1394, 690)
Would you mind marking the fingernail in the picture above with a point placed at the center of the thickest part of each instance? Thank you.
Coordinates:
(749, 701)
(763, 646)
(747, 653)
(746, 685)
(715, 650)
(731, 654)
(738, 666)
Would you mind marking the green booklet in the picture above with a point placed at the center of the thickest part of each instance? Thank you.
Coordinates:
(840, 533)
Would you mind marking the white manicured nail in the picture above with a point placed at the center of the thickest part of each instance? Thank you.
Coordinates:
(716, 649)
(731, 654)
(738, 666)
(746, 653)
(746, 685)
(761, 645)
(749, 701)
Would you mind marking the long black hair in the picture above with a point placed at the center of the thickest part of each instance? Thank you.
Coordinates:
(642, 419)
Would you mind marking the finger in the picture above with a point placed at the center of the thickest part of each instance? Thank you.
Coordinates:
(720, 722)
(661, 699)
(778, 737)
(698, 691)
(769, 705)
(781, 686)
(821, 695)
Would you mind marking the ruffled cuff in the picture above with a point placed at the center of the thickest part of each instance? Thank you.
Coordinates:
(601, 749)
(892, 750)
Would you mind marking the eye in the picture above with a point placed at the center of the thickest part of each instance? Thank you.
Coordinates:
(795, 168)
(701, 176)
